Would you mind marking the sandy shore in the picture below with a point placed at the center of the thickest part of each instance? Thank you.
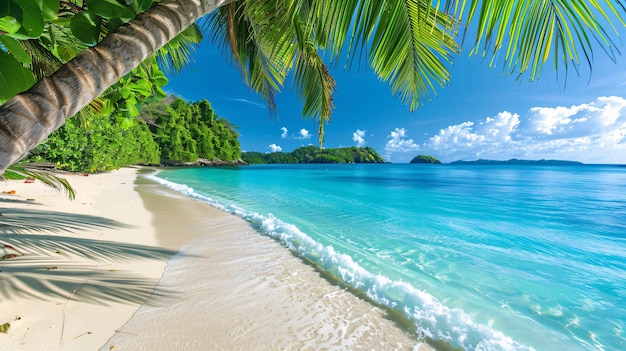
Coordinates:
(94, 274)
(87, 264)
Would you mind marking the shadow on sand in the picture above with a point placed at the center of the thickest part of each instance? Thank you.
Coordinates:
(54, 264)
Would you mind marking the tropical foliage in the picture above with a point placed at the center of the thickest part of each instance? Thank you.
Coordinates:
(52, 33)
(170, 131)
(311, 154)
(188, 132)
(97, 145)
(407, 43)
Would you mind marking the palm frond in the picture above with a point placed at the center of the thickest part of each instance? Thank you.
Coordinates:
(177, 54)
(45, 177)
(408, 42)
(242, 30)
(286, 31)
(529, 32)
(313, 81)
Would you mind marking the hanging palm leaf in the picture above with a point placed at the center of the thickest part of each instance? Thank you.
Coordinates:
(49, 179)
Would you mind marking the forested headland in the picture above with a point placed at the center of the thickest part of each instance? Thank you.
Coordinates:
(168, 132)
(312, 154)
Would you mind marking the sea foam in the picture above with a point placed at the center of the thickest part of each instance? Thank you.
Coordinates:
(432, 319)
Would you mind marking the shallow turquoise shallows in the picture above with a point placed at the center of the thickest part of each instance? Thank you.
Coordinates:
(483, 257)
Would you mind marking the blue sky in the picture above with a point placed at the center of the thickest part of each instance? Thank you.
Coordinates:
(481, 114)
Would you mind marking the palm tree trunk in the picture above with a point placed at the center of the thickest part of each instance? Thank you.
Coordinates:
(28, 118)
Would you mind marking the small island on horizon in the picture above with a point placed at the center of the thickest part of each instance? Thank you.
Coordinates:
(515, 161)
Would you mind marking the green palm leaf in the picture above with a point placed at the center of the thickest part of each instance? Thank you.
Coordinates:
(408, 42)
(47, 178)
(241, 29)
(177, 54)
(529, 32)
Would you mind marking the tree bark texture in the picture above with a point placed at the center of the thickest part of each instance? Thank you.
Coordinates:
(28, 118)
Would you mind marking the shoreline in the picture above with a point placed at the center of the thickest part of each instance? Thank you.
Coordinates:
(257, 293)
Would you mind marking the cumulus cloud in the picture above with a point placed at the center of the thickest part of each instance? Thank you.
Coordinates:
(399, 147)
(593, 133)
(302, 134)
(275, 148)
(399, 142)
(359, 137)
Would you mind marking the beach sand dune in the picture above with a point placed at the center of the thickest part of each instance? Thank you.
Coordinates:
(94, 274)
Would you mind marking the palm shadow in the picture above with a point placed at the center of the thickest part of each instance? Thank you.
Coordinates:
(46, 270)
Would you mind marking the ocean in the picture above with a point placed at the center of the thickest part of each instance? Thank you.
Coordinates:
(478, 257)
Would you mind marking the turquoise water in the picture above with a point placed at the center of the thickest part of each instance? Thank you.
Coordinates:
(483, 257)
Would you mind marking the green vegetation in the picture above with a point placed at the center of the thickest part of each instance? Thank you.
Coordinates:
(425, 159)
(188, 132)
(408, 44)
(96, 144)
(170, 131)
(311, 154)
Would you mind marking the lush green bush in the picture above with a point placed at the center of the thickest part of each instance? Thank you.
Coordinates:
(179, 133)
(97, 144)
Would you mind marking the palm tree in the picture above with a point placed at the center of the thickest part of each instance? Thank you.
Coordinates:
(407, 43)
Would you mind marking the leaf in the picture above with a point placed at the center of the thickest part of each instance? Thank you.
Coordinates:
(142, 87)
(143, 5)
(126, 123)
(131, 106)
(4, 328)
(32, 20)
(126, 92)
(13, 77)
(66, 52)
(9, 24)
(86, 27)
(160, 93)
(159, 78)
(107, 108)
(109, 9)
(45, 177)
(14, 47)
(9, 14)
(113, 23)
(49, 8)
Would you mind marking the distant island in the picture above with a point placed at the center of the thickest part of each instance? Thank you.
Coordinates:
(312, 154)
(425, 159)
(515, 161)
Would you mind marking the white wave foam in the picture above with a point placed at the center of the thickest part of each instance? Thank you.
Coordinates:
(432, 318)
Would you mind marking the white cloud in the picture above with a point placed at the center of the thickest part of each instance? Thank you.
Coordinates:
(592, 133)
(302, 134)
(275, 148)
(401, 145)
(359, 137)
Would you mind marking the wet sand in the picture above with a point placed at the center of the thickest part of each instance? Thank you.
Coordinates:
(229, 288)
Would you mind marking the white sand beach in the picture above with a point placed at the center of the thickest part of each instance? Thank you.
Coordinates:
(93, 274)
